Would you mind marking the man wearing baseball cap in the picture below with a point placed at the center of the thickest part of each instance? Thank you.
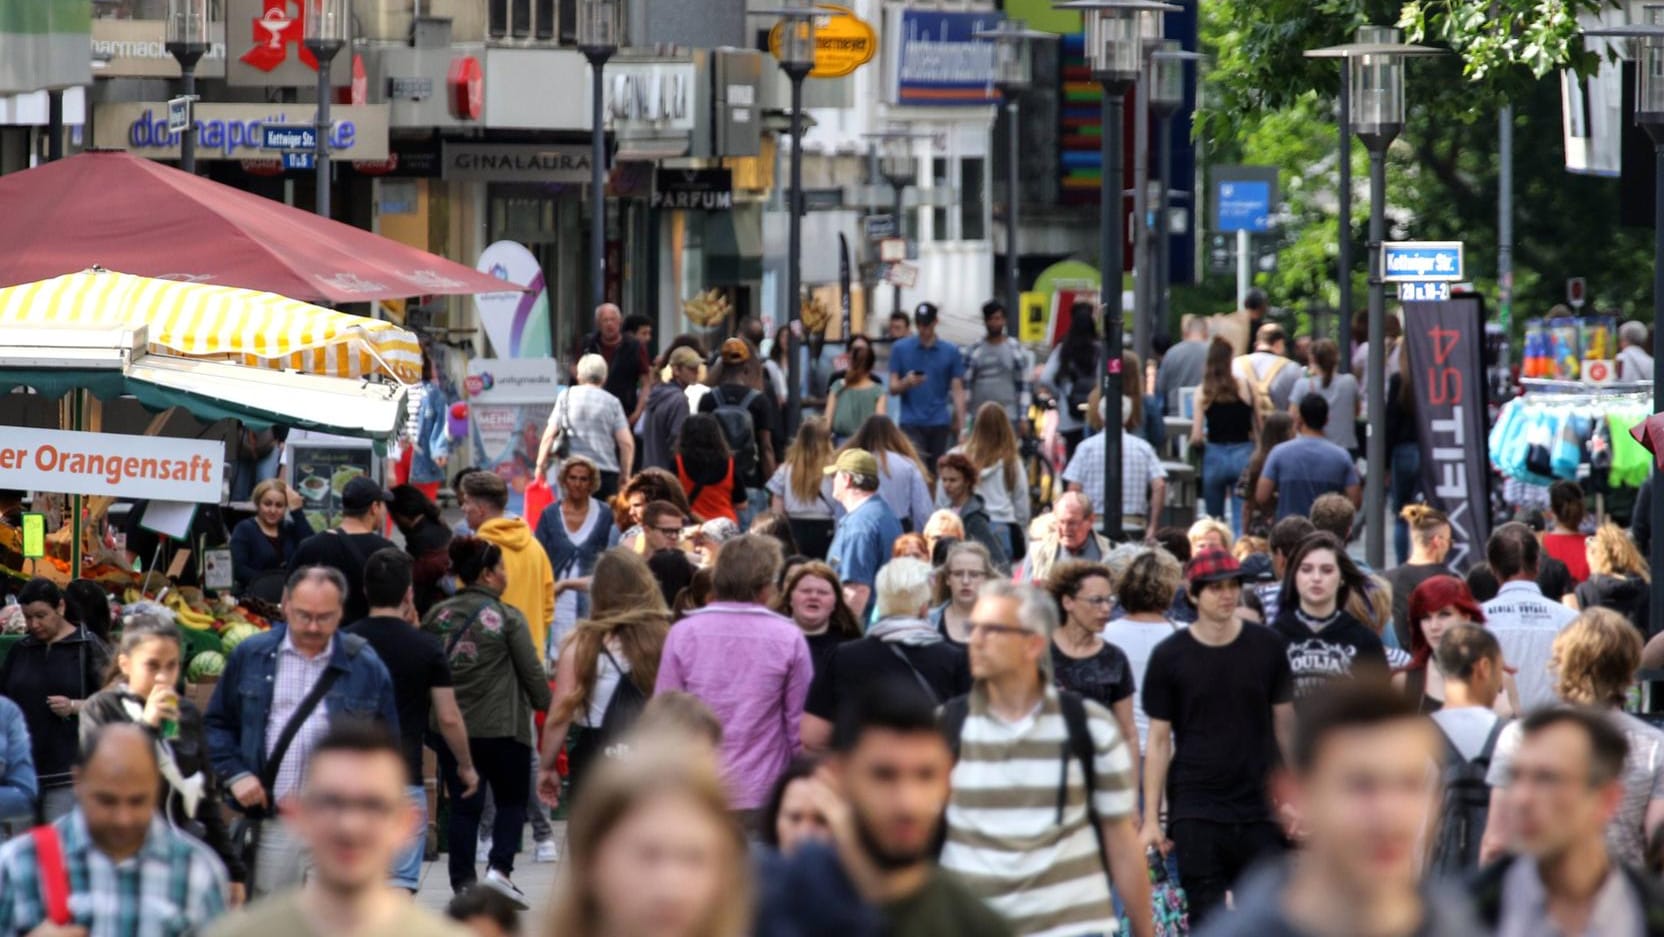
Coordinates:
(924, 372)
(864, 537)
(667, 408)
(1220, 699)
(347, 547)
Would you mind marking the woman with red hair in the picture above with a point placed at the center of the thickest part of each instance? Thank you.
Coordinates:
(1436, 606)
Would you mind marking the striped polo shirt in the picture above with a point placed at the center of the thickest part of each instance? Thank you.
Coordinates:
(1004, 838)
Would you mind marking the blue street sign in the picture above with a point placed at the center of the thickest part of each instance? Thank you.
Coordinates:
(1421, 261)
(299, 161)
(1423, 292)
(288, 137)
(1243, 205)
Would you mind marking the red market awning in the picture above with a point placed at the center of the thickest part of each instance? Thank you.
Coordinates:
(127, 213)
(1650, 434)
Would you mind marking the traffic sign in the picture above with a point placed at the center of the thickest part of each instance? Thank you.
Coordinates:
(1577, 292)
(1243, 198)
(288, 137)
(299, 161)
(879, 227)
(892, 250)
(903, 275)
(179, 113)
(1421, 261)
(1423, 292)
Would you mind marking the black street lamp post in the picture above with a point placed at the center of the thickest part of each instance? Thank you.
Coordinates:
(796, 54)
(597, 40)
(187, 42)
(328, 31)
(1013, 75)
(1166, 96)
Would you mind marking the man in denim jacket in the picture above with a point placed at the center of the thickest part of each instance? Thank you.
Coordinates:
(18, 785)
(265, 681)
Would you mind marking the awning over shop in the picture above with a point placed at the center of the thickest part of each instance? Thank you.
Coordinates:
(110, 363)
(202, 320)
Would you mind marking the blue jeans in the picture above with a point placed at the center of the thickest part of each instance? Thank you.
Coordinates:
(1222, 465)
(407, 868)
(1406, 484)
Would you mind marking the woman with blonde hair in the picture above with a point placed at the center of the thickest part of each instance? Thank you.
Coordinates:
(609, 661)
(1618, 576)
(903, 480)
(1002, 482)
(1210, 532)
(653, 849)
(801, 490)
(944, 526)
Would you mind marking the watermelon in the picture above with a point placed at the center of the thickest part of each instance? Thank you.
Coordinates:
(237, 634)
(205, 664)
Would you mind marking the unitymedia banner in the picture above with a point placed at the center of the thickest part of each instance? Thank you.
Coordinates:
(1446, 370)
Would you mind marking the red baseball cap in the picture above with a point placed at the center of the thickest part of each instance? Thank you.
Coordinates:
(1212, 565)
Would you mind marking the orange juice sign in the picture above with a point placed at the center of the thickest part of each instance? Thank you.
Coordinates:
(843, 43)
(111, 464)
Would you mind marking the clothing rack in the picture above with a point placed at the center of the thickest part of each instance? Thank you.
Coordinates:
(1584, 388)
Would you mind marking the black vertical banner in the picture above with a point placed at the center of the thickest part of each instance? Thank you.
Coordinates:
(1446, 371)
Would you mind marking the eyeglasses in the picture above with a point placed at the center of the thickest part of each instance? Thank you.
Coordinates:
(669, 531)
(992, 630)
(968, 574)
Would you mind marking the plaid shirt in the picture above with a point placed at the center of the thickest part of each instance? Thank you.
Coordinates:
(1139, 466)
(594, 417)
(296, 675)
(173, 886)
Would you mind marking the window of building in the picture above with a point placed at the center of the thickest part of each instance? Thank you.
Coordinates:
(972, 198)
(941, 217)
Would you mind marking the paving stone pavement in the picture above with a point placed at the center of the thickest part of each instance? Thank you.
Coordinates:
(536, 879)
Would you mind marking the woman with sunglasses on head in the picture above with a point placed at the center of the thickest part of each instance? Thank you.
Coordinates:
(1082, 660)
(574, 533)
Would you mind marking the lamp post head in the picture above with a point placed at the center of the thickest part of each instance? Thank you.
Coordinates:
(598, 28)
(897, 162)
(1646, 42)
(797, 34)
(328, 25)
(187, 26)
(1167, 77)
(1375, 65)
(1115, 33)
(1013, 55)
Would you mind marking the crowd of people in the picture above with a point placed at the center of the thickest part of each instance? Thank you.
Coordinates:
(870, 679)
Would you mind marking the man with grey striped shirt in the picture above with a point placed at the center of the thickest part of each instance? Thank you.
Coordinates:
(1020, 825)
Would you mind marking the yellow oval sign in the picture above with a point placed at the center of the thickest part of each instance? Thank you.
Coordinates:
(843, 42)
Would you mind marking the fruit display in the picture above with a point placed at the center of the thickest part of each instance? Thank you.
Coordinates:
(205, 664)
(237, 634)
(816, 315)
(708, 308)
(191, 609)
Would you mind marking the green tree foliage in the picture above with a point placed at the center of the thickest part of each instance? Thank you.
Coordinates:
(1265, 103)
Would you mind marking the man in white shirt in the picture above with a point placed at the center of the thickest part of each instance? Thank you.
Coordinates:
(1634, 363)
(1523, 620)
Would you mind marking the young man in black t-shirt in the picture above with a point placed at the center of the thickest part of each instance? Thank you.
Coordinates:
(421, 684)
(346, 548)
(1219, 696)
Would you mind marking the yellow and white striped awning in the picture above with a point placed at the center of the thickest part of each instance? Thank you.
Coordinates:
(203, 320)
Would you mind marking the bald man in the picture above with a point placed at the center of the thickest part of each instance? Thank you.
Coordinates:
(131, 865)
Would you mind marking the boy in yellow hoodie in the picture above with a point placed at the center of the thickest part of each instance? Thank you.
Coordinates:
(531, 580)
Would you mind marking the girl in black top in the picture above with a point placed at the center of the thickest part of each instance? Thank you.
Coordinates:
(1226, 422)
(1082, 660)
(1325, 642)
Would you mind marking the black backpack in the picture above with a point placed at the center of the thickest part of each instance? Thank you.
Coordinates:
(951, 721)
(739, 429)
(622, 710)
(1466, 806)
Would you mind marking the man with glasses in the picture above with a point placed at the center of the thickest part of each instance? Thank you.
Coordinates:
(277, 698)
(1043, 869)
(1071, 538)
(352, 815)
(662, 530)
(1220, 699)
(667, 409)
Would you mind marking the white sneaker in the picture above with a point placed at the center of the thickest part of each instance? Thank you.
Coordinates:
(499, 882)
(482, 852)
(547, 851)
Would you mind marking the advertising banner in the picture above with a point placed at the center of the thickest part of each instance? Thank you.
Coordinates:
(152, 467)
(939, 62)
(320, 465)
(1446, 367)
(508, 406)
(43, 44)
(516, 323)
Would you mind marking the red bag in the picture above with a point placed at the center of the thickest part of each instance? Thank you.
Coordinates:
(538, 497)
(54, 875)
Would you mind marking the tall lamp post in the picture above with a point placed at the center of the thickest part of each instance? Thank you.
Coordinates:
(1647, 51)
(597, 40)
(1013, 74)
(898, 165)
(187, 42)
(1166, 94)
(796, 53)
(1375, 87)
(1114, 50)
(328, 30)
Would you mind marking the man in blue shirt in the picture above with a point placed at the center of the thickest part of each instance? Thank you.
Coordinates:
(865, 535)
(1308, 466)
(924, 373)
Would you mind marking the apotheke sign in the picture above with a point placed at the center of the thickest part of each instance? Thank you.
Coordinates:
(515, 162)
(236, 131)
